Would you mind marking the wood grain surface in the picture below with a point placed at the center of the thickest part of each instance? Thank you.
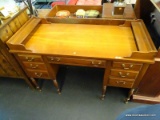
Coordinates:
(97, 41)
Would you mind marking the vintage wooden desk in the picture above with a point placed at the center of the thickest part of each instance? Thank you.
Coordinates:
(122, 47)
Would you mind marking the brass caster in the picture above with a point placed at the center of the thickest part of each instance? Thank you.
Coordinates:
(37, 88)
(126, 101)
(40, 90)
(58, 91)
(102, 97)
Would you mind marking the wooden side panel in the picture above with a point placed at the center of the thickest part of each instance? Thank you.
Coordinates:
(6, 68)
(141, 37)
(5, 33)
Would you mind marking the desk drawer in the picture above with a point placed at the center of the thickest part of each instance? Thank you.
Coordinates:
(76, 61)
(30, 58)
(124, 74)
(38, 74)
(35, 66)
(127, 66)
(126, 83)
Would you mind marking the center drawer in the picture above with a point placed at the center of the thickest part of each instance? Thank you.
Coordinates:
(77, 61)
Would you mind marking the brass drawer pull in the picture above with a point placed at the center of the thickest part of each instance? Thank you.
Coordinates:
(29, 59)
(52, 58)
(121, 82)
(55, 59)
(126, 68)
(123, 76)
(96, 63)
(58, 59)
(38, 74)
(34, 67)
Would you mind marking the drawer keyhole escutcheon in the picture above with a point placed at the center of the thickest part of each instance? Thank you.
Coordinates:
(123, 76)
(126, 68)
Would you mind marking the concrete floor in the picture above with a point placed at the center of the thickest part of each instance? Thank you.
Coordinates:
(81, 89)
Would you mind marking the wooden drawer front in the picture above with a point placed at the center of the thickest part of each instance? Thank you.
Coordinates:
(35, 66)
(14, 25)
(23, 17)
(127, 66)
(5, 33)
(38, 74)
(124, 74)
(30, 58)
(121, 82)
(76, 61)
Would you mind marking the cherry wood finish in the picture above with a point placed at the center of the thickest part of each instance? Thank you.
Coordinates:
(118, 46)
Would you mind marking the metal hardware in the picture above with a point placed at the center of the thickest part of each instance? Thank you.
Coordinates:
(38, 75)
(29, 59)
(58, 59)
(126, 68)
(121, 82)
(96, 63)
(52, 58)
(123, 76)
(34, 67)
(55, 59)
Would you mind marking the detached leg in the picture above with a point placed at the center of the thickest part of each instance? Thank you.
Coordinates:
(56, 85)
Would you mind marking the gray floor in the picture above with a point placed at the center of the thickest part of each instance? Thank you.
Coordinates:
(81, 88)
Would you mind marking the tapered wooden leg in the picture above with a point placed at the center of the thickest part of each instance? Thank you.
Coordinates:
(29, 83)
(35, 84)
(105, 79)
(56, 85)
(103, 92)
(129, 95)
